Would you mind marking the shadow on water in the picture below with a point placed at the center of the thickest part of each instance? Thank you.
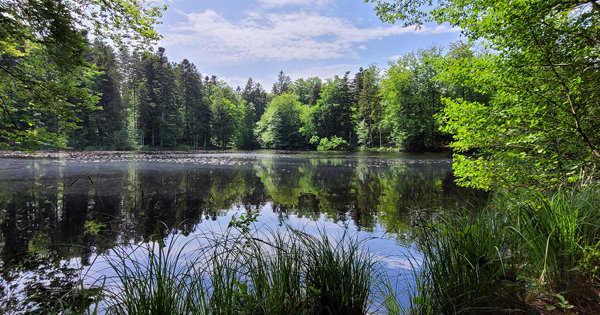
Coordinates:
(58, 211)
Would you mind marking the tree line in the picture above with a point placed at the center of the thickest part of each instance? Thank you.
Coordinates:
(147, 101)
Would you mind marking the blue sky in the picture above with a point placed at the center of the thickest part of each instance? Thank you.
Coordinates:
(235, 39)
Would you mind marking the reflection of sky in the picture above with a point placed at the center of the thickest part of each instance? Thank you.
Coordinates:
(398, 261)
(332, 178)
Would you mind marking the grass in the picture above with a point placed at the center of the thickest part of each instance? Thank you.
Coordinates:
(510, 256)
(154, 278)
(241, 272)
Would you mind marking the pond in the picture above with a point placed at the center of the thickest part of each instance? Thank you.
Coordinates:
(62, 212)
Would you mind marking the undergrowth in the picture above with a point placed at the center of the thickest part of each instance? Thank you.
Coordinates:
(540, 251)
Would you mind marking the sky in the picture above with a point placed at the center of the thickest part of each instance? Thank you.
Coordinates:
(239, 39)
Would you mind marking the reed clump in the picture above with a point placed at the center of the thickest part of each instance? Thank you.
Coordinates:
(242, 272)
(539, 252)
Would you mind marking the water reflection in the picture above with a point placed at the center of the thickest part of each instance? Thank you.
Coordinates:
(54, 211)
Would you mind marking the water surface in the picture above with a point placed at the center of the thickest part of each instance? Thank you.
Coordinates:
(74, 208)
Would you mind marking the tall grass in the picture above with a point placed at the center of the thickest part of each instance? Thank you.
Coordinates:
(274, 272)
(339, 276)
(561, 234)
(466, 257)
(154, 278)
(499, 258)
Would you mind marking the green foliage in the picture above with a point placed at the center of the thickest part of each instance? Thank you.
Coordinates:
(227, 115)
(44, 77)
(540, 126)
(412, 94)
(194, 103)
(330, 144)
(304, 89)
(283, 84)
(334, 114)
(246, 137)
(105, 127)
(159, 117)
(279, 127)
(370, 107)
(254, 94)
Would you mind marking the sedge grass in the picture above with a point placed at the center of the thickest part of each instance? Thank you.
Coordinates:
(274, 272)
(154, 278)
(465, 259)
(561, 234)
(497, 259)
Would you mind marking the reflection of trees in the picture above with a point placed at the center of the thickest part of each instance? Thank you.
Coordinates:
(128, 206)
(368, 193)
(50, 218)
(408, 187)
(308, 188)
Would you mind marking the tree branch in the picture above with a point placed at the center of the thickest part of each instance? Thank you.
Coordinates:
(583, 135)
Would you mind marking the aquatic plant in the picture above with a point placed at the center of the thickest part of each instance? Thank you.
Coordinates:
(247, 272)
(509, 253)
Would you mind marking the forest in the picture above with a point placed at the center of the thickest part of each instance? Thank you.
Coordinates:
(145, 101)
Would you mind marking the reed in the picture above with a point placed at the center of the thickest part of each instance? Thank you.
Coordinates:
(274, 272)
(505, 255)
(561, 235)
(154, 278)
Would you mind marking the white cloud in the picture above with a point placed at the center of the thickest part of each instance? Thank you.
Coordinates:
(282, 3)
(394, 57)
(280, 36)
(362, 47)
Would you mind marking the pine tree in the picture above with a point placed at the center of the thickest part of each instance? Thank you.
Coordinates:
(194, 104)
(282, 85)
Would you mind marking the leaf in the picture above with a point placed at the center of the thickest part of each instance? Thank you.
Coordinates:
(243, 287)
(417, 300)
(550, 307)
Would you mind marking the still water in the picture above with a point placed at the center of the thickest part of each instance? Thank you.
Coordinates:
(56, 211)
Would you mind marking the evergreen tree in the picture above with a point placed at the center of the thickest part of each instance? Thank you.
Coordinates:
(160, 119)
(370, 111)
(195, 106)
(334, 113)
(303, 88)
(315, 94)
(105, 127)
(282, 85)
(254, 94)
